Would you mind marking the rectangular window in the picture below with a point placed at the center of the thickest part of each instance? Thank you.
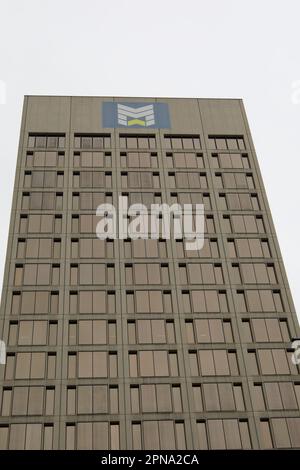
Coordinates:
(84, 200)
(210, 249)
(184, 160)
(158, 363)
(226, 142)
(223, 434)
(139, 160)
(151, 331)
(206, 362)
(92, 159)
(139, 141)
(92, 141)
(185, 142)
(85, 332)
(30, 302)
(208, 331)
(149, 248)
(149, 301)
(230, 160)
(201, 301)
(89, 302)
(93, 435)
(184, 179)
(46, 140)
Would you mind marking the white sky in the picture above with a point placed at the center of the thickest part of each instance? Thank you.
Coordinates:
(192, 48)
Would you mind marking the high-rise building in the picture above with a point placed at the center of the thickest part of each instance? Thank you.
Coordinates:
(129, 344)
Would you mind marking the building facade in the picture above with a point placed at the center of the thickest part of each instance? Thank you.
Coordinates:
(142, 344)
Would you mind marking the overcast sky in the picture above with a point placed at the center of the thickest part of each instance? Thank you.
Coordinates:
(192, 48)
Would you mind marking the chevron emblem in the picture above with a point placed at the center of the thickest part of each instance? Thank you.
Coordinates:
(142, 116)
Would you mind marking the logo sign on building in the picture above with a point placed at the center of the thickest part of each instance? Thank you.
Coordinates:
(135, 115)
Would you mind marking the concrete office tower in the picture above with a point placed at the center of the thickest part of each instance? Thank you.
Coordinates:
(129, 344)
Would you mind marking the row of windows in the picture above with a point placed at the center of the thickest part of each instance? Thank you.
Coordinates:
(44, 333)
(91, 200)
(247, 301)
(258, 361)
(149, 363)
(150, 398)
(129, 179)
(42, 365)
(40, 400)
(137, 141)
(147, 301)
(187, 142)
(86, 223)
(280, 433)
(148, 331)
(37, 436)
(98, 159)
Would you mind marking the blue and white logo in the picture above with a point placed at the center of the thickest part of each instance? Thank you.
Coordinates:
(135, 115)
